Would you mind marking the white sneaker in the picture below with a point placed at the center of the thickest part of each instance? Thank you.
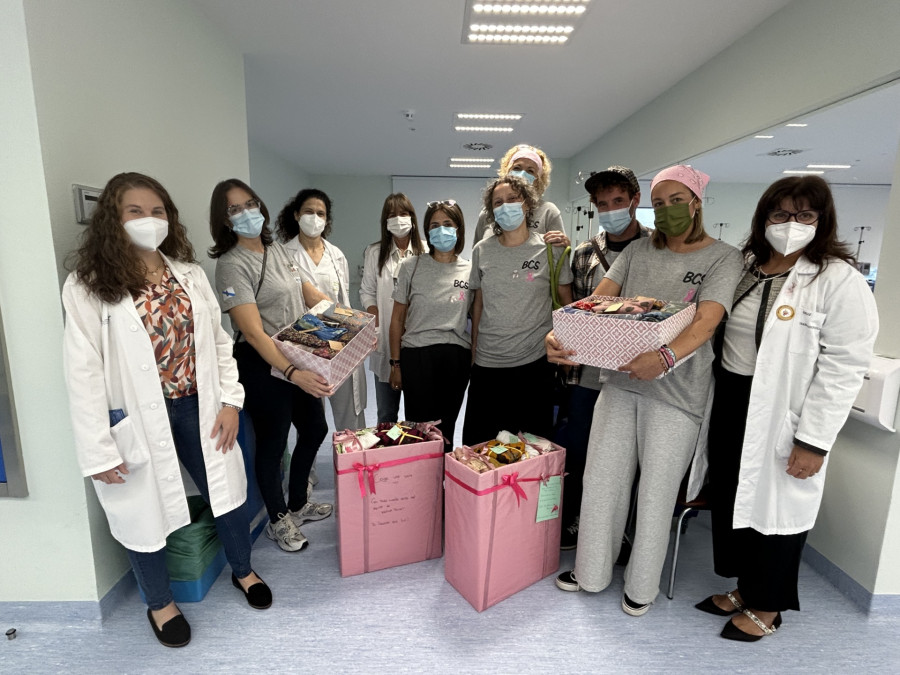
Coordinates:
(313, 476)
(311, 511)
(286, 534)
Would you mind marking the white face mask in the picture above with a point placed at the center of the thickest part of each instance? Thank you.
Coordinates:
(147, 233)
(311, 224)
(399, 226)
(789, 237)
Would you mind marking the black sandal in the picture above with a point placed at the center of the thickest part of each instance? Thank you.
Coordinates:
(259, 596)
(710, 607)
(732, 632)
(176, 632)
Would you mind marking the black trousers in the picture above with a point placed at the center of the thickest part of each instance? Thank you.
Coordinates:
(766, 566)
(272, 406)
(434, 384)
(512, 399)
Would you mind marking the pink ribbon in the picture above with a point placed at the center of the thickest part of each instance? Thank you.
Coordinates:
(362, 470)
(510, 480)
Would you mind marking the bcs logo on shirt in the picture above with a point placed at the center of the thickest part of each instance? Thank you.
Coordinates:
(531, 265)
(460, 283)
(695, 278)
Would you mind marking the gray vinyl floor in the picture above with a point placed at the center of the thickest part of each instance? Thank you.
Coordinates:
(410, 619)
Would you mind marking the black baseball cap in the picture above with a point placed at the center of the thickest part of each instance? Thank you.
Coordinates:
(613, 172)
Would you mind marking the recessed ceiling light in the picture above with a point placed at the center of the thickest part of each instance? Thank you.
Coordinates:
(804, 172)
(472, 160)
(762, 136)
(494, 28)
(829, 166)
(501, 129)
(487, 116)
(523, 22)
(506, 38)
(795, 125)
(527, 7)
(470, 166)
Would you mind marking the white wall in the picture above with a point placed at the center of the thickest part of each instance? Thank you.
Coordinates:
(274, 179)
(46, 543)
(118, 86)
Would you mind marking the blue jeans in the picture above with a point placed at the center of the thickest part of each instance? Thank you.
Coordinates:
(388, 401)
(233, 527)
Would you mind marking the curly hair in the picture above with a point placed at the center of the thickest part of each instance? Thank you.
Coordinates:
(522, 189)
(455, 214)
(397, 202)
(219, 223)
(798, 189)
(287, 226)
(542, 182)
(107, 262)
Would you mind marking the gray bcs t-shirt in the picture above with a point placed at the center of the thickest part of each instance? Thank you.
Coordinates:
(515, 293)
(711, 273)
(439, 299)
(280, 299)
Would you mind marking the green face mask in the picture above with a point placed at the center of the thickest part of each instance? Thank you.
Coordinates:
(673, 220)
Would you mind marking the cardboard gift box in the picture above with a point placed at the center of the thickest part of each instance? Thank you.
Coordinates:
(338, 368)
(609, 342)
(503, 526)
(388, 502)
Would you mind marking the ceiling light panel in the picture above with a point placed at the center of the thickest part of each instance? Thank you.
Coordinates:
(489, 116)
(525, 22)
(829, 166)
(470, 166)
(472, 160)
(506, 130)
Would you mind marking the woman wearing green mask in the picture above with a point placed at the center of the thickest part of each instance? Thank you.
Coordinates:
(640, 421)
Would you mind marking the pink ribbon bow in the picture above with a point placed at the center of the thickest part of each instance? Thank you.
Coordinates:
(361, 470)
(512, 480)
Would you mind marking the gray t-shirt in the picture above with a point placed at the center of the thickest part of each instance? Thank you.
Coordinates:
(439, 299)
(515, 293)
(545, 218)
(280, 299)
(711, 273)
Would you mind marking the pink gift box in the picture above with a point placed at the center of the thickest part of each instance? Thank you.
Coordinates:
(389, 504)
(336, 369)
(494, 546)
(608, 342)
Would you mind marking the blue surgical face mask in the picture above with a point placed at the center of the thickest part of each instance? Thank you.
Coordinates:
(248, 223)
(615, 222)
(509, 216)
(443, 238)
(524, 175)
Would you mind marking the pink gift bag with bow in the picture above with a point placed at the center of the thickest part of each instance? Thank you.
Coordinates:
(388, 502)
(495, 546)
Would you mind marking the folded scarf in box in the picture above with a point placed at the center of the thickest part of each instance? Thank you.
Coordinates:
(313, 324)
(505, 453)
(398, 434)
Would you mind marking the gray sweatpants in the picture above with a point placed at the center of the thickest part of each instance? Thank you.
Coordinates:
(343, 407)
(629, 429)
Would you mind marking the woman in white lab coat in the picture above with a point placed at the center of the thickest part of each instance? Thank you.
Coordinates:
(151, 381)
(303, 226)
(794, 352)
(381, 266)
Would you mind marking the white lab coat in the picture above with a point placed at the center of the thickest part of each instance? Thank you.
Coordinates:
(377, 289)
(808, 372)
(358, 376)
(110, 364)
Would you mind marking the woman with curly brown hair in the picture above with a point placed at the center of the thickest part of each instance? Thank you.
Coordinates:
(151, 382)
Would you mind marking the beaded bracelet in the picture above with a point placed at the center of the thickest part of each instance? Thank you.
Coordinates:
(668, 355)
(662, 360)
(232, 405)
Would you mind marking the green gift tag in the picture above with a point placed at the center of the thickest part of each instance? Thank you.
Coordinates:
(394, 432)
(548, 501)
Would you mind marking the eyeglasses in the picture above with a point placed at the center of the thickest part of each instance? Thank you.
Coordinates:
(442, 202)
(803, 217)
(235, 209)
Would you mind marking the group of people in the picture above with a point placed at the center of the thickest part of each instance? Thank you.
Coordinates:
(784, 327)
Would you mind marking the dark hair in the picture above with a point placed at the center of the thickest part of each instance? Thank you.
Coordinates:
(455, 214)
(107, 262)
(287, 226)
(611, 180)
(522, 189)
(815, 192)
(219, 222)
(397, 202)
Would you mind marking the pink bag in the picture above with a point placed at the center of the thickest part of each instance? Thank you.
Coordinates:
(494, 546)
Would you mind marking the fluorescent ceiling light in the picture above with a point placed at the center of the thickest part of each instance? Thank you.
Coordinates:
(804, 172)
(502, 129)
(494, 28)
(534, 9)
(795, 125)
(472, 160)
(470, 166)
(517, 38)
(487, 116)
(521, 22)
(762, 136)
(829, 166)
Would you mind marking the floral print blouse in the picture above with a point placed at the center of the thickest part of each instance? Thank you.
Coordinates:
(165, 309)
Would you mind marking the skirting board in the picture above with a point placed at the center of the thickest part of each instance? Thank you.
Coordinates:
(872, 604)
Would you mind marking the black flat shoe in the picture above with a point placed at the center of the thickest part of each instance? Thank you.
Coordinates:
(176, 632)
(732, 632)
(259, 596)
(711, 607)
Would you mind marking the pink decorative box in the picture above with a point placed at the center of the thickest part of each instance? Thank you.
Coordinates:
(608, 342)
(388, 503)
(495, 547)
(338, 368)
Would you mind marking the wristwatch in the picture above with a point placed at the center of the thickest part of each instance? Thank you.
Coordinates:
(231, 405)
(395, 363)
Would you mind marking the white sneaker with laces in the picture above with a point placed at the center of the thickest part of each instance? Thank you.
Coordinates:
(286, 534)
(311, 511)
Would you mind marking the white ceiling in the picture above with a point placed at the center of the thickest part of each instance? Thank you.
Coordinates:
(327, 81)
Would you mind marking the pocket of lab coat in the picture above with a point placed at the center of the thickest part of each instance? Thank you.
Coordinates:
(784, 444)
(132, 448)
(805, 331)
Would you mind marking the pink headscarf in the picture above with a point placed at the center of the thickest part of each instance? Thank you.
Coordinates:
(528, 153)
(696, 181)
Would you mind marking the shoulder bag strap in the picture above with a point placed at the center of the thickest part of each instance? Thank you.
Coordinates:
(603, 260)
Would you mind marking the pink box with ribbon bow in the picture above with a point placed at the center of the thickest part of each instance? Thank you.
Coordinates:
(495, 547)
(389, 502)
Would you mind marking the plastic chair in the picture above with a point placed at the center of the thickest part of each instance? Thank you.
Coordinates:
(701, 503)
